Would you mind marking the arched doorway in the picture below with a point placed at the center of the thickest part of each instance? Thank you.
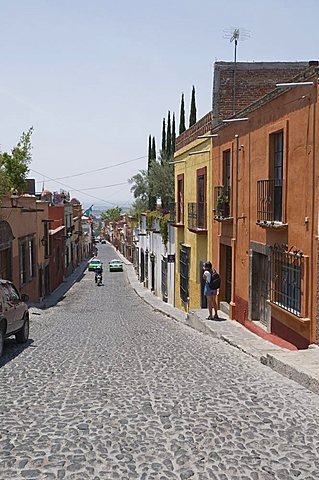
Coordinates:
(6, 238)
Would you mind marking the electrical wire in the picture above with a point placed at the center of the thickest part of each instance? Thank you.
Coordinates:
(77, 190)
(95, 170)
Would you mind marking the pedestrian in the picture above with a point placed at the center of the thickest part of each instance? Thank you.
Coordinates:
(209, 293)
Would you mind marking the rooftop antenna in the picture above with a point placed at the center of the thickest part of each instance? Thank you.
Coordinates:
(234, 34)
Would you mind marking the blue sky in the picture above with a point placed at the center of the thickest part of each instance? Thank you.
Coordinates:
(96, 77)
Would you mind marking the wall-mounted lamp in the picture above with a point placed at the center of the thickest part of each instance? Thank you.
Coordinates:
(230, 120)
(295, 84)
(198, 152)
(14, 200)
(213, 135)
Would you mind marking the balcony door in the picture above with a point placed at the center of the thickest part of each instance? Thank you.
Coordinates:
(201, 198)
(276, 165)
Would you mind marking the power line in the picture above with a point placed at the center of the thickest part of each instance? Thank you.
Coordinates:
(105, 186)
(93, 171)
(75, 189)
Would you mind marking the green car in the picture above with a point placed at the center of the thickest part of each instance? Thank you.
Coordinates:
(94, 264)
(116, 265)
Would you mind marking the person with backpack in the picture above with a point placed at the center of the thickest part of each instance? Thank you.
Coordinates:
(212, 283)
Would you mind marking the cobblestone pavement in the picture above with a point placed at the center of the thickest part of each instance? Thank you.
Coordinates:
(109, 389)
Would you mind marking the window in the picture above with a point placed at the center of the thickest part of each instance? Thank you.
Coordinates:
(180, 198)
(184, 273)
(23, 261)
(46, 238)
(32, 265)
(286, 276)
(201, 198)
(276, 172)
(225, 201)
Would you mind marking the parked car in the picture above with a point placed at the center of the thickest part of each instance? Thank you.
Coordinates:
(94, 263)
(14, 314)
(103, 240)
(116, 265)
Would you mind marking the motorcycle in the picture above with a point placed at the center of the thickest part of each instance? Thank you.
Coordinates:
(98, 279)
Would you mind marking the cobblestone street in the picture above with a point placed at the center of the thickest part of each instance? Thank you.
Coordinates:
(109, 389)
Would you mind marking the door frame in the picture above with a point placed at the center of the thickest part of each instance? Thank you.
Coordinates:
(255, 250)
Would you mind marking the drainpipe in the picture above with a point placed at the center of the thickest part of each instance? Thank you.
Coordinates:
(314, 327)
(234, 239)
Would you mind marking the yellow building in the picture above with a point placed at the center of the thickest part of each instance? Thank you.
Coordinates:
(193, 212)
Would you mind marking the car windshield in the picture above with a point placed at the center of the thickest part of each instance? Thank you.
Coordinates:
(95, 261)
(115, 261)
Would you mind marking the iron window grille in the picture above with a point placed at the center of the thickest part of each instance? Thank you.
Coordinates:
(269, 200)
(184, 273)
(222, 201)
(287, 267)
(197, 215)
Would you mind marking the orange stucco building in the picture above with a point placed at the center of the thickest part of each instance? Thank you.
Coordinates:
(265, 217)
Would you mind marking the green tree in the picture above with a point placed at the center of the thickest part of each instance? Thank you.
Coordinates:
(161, 181)
(149, 156)
(153, 149)
(151, 198)
(182, 127)
(14, 166)
(192, 115)
(173, 134)
(163, 136)
(169, 135)
(139, 183)
(112, 215)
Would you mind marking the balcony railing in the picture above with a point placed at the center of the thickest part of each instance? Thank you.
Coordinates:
(222, 202)
(269, 200)
(197, 216)
(177, 213)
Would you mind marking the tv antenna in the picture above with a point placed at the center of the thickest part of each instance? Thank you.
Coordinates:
(234, 34)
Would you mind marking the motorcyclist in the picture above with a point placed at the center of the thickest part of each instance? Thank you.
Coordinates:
(98, 271)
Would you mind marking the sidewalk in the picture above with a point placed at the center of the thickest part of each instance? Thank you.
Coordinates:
(302, 366)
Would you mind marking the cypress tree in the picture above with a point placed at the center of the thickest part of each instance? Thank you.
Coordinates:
(173, 134)
(182, 127)
(149, 152)
(192, 115)
(152, 160)
(153, 150)
(163, 137)
(169, 135)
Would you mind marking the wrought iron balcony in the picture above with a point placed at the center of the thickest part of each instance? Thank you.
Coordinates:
(222, 203)
(269, 201)
(197, 216)
(177, 213)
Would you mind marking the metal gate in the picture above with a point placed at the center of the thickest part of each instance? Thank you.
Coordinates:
(260, 288)
(263, 289)
(228, 270)
(164, 279)
(184, 273)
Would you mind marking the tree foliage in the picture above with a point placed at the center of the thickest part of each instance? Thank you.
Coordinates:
(169, 135)
(161, 181)
(182, 126)
(14, 166)
(111, 215)
(163, 136)
(193, 113)
(173, 134)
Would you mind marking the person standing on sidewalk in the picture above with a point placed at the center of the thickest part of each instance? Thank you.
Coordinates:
(210, 293)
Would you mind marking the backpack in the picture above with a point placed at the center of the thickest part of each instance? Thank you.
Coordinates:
(214, 283)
